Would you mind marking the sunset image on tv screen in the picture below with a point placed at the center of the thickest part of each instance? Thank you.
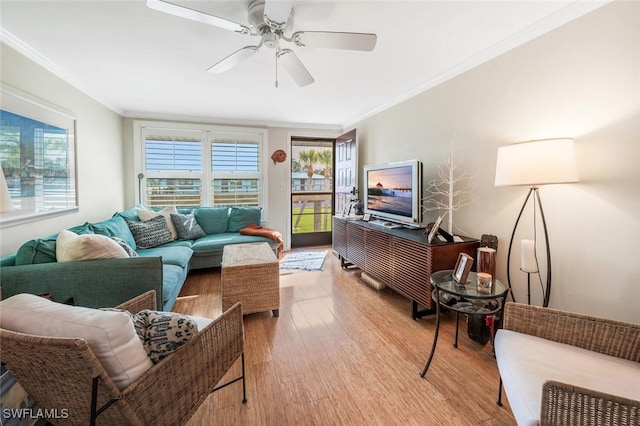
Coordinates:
(389, 190)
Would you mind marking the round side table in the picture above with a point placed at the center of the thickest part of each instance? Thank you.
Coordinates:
(463, 298)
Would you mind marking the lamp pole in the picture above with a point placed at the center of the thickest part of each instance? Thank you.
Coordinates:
(140, 176)
(547, 290)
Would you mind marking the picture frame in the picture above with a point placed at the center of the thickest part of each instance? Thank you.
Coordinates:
(434, 229)
(346, 209)
(366, 217)
(462, 268)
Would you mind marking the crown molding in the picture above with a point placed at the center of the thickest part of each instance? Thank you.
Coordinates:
(551, 22)
(229, 121)
(32, 54)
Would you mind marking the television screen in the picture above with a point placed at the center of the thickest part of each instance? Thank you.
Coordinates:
(390, 190)
(393, 192)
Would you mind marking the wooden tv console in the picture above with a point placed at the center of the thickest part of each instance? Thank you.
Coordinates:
(400, 258)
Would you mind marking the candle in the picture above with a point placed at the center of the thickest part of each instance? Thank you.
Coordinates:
(528, 256)
(486, 261)
(485, 283)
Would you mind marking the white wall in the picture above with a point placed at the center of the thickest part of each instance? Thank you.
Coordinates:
(99, 149)
(277, 213)
(582, 81)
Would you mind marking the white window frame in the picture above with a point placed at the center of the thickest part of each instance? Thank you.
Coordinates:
(207, 132)
(24, 104)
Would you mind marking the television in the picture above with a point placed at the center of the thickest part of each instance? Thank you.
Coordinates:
(393, 193)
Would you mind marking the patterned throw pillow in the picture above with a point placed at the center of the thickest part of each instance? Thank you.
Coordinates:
(131, 252)
(146, 214)
(139, 322)
(165, 332)
(161, 332)
(187, 226)
(150, 233)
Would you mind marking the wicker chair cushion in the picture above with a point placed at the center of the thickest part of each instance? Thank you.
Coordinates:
(73, 247)
(526, 362)
(111, 335)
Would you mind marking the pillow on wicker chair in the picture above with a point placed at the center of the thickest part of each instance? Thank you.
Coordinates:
(111, 335)
(165, 332)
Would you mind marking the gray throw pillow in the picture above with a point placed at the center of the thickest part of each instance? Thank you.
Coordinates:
(131, 252)
(187, 226)
(150, 233)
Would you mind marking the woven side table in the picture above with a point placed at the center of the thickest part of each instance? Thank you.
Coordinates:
(250, 275)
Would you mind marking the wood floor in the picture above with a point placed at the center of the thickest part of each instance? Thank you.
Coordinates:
(343, 353)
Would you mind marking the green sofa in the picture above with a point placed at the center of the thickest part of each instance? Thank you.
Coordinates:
(109, 282)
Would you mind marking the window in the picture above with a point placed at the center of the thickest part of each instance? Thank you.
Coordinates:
(201, 166)
(235, 170)
(37, 157)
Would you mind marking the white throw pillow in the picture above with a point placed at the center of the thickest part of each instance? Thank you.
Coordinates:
(146, 214)
(71, 247)
(110, 335)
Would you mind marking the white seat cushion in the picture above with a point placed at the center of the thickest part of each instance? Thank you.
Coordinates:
(526, 362)
(111, 335)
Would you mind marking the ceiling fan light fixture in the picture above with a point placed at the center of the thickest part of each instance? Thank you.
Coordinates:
(271, 40)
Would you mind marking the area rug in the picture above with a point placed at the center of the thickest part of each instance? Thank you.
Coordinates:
(304, 260)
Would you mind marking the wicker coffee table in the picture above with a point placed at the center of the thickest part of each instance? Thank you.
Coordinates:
(251, 275)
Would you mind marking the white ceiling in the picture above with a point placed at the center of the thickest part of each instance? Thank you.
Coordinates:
(144, 63)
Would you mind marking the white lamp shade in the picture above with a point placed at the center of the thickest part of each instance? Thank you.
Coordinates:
(5, 198)
(536, 163)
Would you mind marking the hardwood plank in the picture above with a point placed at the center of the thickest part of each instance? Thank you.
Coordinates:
(343, 353)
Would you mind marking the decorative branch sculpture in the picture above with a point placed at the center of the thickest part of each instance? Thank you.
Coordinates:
(451, 191)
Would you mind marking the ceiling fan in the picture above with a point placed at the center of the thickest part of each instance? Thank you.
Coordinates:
(272, 21)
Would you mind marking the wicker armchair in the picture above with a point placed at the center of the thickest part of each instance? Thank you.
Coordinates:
(64, 376)
(565, 404)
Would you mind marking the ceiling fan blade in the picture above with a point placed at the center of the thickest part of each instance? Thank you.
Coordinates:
(277, 12)
(295, 68)
(234, 59)
(335, 40)
(194, 15)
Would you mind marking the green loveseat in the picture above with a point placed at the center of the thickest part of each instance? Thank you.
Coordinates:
(109, 282)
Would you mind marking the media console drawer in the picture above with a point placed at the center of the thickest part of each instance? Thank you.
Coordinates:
(400, 258)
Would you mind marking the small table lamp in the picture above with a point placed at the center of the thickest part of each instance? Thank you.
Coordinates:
(535, 163)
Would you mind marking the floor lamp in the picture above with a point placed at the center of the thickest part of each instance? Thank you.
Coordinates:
(535, 163)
